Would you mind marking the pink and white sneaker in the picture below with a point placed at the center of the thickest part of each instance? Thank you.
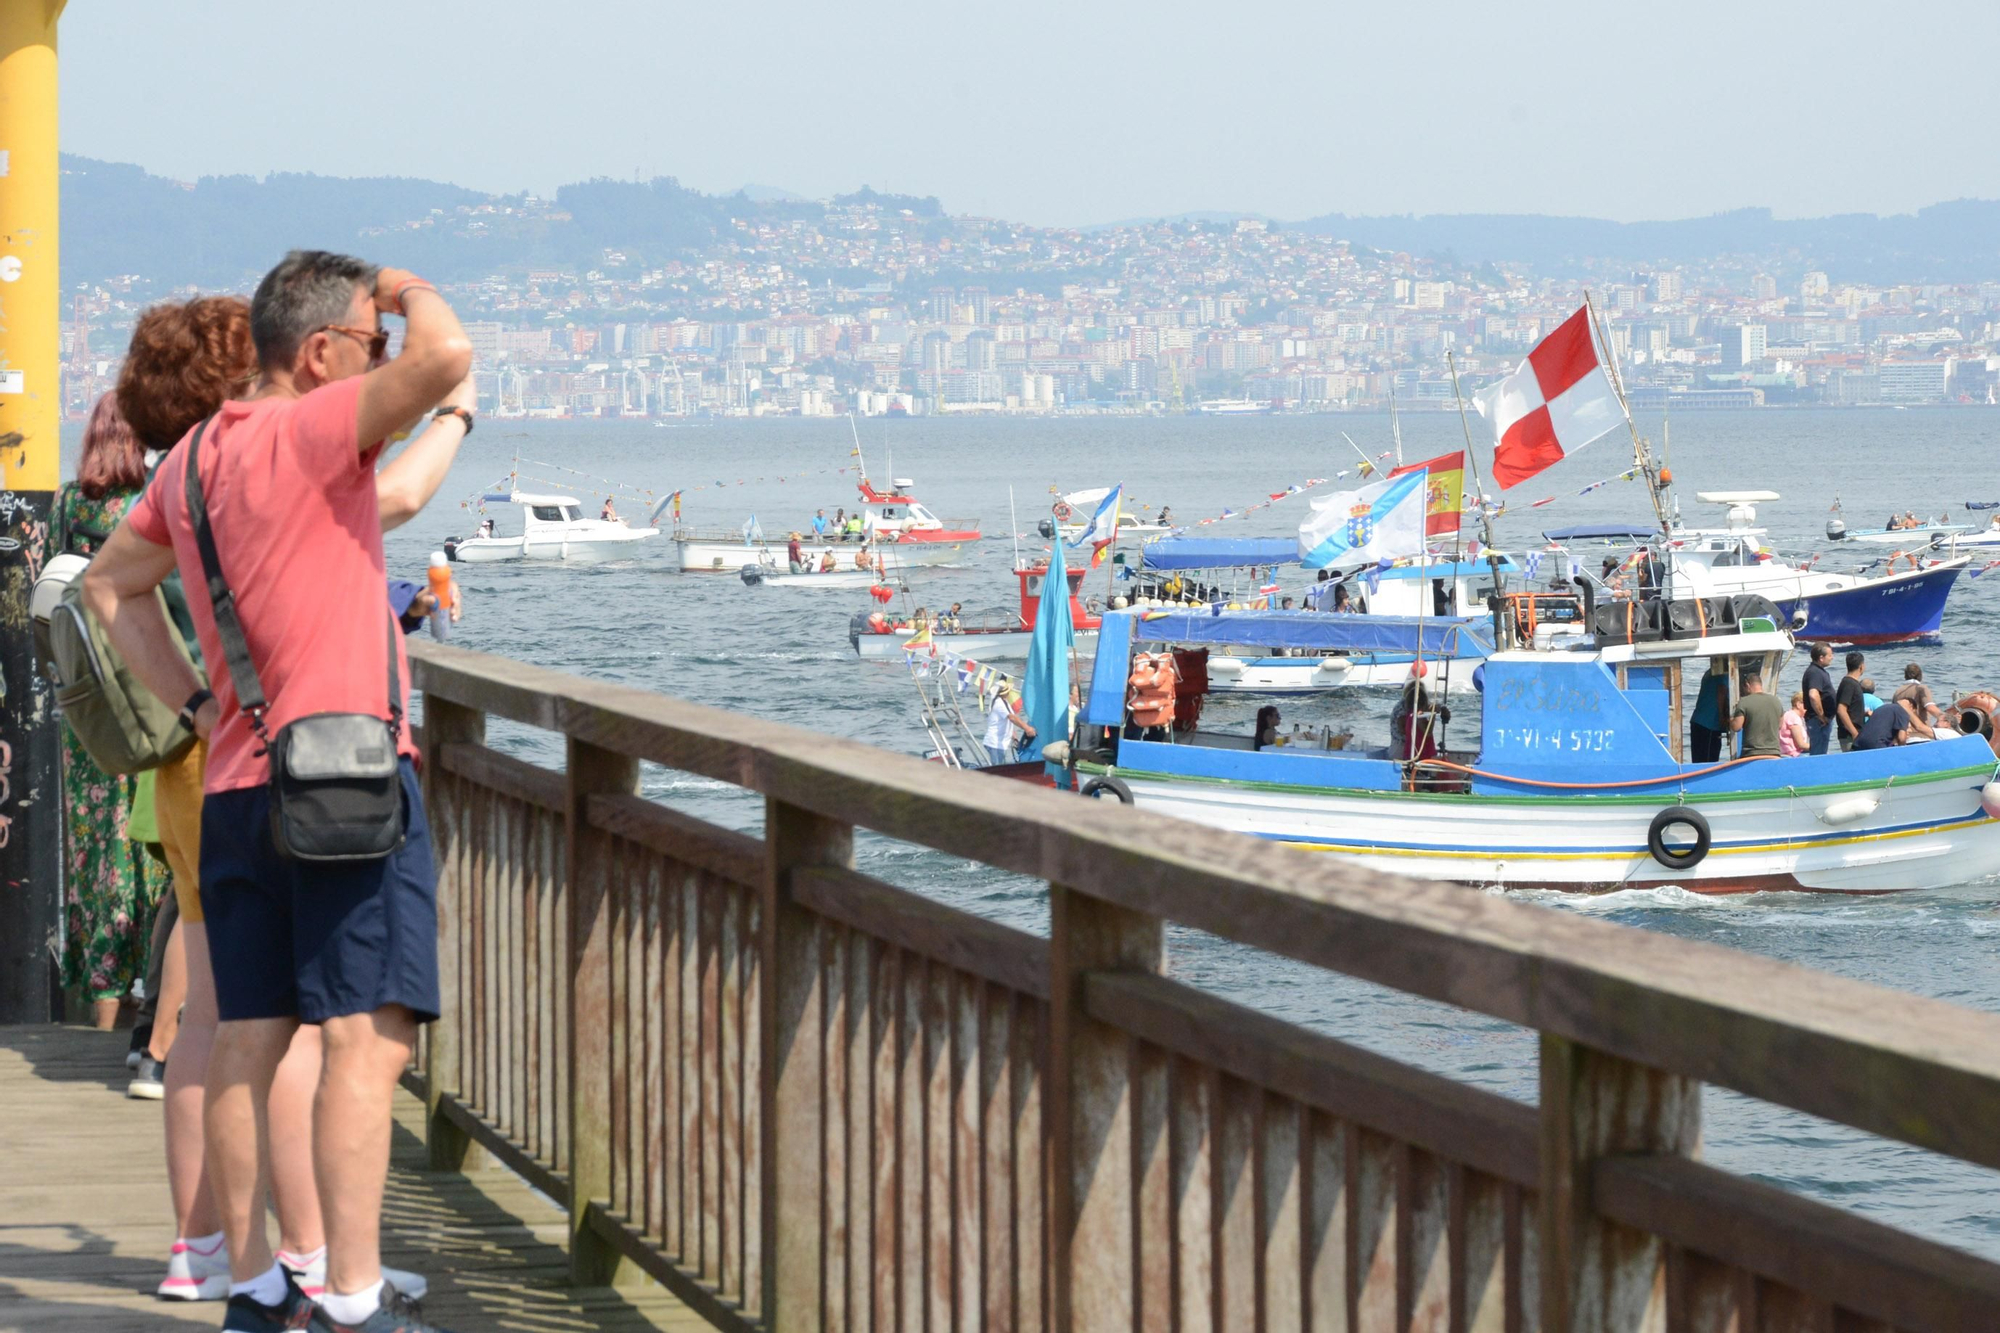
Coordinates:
(309, 1271)
(197, 1270)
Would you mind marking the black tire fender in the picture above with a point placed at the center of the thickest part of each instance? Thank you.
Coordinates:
(1683, 858)
(1098, 788)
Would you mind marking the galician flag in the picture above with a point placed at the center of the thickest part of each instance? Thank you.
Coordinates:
(1353, 528)
(1445, 494)
(1104, 521)
(1557, 402)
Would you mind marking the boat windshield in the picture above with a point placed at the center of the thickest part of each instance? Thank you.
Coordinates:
(548, 513)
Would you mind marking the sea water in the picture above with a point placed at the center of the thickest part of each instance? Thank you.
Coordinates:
(783, 654)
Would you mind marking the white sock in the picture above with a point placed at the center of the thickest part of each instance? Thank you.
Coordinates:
(354, 1308)
(203, 1244)
(301, 1258)
(266, 1289)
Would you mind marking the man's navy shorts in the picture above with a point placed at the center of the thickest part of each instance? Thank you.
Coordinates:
(315, 940)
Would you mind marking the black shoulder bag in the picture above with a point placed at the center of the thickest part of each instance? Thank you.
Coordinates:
(336, 788)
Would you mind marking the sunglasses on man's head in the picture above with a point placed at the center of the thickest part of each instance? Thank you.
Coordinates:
(377, 339)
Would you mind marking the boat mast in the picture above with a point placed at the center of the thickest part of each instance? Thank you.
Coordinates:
(1395, 424)
(1479, 488)
(1642, 450)
(859, 461)
(1014, 523)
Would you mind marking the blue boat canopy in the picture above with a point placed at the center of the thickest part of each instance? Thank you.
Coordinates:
(1611, 532)
(1219, 552)
(1312, 631)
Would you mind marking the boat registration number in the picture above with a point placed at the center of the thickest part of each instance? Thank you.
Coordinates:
(1570, 740)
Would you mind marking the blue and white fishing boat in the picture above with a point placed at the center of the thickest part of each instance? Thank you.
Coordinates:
(1578, 777)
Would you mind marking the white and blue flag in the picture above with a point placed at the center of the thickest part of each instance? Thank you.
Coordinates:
(1381, 521)
(1099, 529)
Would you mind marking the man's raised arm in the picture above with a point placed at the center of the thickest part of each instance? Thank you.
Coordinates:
(436, 355)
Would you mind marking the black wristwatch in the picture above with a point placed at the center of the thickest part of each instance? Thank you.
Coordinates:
(458, 412)
(193, 706)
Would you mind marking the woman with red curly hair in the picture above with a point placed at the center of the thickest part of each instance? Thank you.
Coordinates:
(111, 884)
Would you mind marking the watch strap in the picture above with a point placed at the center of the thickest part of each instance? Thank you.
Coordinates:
(458, 412)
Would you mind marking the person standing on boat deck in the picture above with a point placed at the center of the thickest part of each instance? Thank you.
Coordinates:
(1792, 738)
(1818, 689)
(1002, 722)
(1850, 707)
(819, 525)
(1915, 696)
(1886, 726)
(1759, 717)
(1705, 726)
(794, 557)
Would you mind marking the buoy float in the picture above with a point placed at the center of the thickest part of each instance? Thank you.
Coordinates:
(1850, 809)
(1989, 799)
(1418, 670)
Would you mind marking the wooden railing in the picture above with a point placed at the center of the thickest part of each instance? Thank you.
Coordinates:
(806, 1099)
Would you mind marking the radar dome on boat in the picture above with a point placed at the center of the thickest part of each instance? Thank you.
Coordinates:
(1742, 504)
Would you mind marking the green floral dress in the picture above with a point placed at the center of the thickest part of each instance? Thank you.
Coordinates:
(110, 884)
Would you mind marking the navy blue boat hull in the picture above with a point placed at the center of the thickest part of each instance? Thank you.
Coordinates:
(1909, 610)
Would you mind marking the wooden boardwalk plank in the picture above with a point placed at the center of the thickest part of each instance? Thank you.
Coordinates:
(85, 1224)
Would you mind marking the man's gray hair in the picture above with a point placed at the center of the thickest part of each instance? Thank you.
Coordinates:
(308, 290)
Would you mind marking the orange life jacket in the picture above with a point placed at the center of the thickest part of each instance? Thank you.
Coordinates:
(1152, 689)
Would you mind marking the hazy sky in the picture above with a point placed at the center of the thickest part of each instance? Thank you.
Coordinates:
(1074, 112)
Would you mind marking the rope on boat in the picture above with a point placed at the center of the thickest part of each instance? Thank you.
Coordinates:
(1588, 786)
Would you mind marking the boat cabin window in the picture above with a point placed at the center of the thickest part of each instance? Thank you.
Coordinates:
(548, 513)
(921, 514)
(889, 512)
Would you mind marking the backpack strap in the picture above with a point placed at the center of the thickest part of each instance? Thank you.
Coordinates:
(229, 628)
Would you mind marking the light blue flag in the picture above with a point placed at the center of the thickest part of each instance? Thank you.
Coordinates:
(1384, 520)
(1045, 687)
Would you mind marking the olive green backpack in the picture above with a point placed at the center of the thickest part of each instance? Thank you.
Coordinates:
(123, 726)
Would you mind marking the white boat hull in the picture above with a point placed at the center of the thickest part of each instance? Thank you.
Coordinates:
(1921, 834)
(839, 578)
(598, 543)
(722, 557)
(1908, 539)
(1316, 675)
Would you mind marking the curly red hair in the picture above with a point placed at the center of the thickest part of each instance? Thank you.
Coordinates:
(185, 361)
(113, 459)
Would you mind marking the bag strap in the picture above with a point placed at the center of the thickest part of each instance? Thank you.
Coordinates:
(229, 628)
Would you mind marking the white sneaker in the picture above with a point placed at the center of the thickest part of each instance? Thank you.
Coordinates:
(311, 1275)
(197, 1270)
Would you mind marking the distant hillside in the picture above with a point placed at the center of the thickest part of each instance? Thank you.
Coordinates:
(225, 230)
(1950, 242)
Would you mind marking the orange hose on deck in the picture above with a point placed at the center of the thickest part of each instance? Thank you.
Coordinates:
(1586, 786)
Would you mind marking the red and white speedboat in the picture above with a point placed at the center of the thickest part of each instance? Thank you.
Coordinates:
(880, 635)
(895, 525)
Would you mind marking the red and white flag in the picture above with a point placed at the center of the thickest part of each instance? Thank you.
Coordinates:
(1558, 401)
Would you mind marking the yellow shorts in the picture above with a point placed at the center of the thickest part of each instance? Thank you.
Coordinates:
(177, 806)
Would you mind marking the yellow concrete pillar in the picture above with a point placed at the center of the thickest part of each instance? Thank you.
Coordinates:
(30, 286)
(30, 421)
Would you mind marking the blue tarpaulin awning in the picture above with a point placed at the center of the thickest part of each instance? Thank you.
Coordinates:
(1219, 552)
(1314, 631)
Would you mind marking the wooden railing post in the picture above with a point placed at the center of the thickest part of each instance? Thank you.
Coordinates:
(447, 723)
(791, 995)
(591, 770)
(1597, 1276)
(1092, 1114)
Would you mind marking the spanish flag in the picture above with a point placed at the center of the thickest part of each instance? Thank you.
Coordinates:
(1445, 494)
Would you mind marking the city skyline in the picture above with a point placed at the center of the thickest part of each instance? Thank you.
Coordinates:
(1075, 116)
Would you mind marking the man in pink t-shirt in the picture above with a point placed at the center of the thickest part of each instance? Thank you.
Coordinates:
(290, 490)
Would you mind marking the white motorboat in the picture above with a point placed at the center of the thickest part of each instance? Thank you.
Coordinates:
(1976, 539)
(553, 528)
(756, 576)
(1913, 538)
(1896, 606)
(894, 524)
